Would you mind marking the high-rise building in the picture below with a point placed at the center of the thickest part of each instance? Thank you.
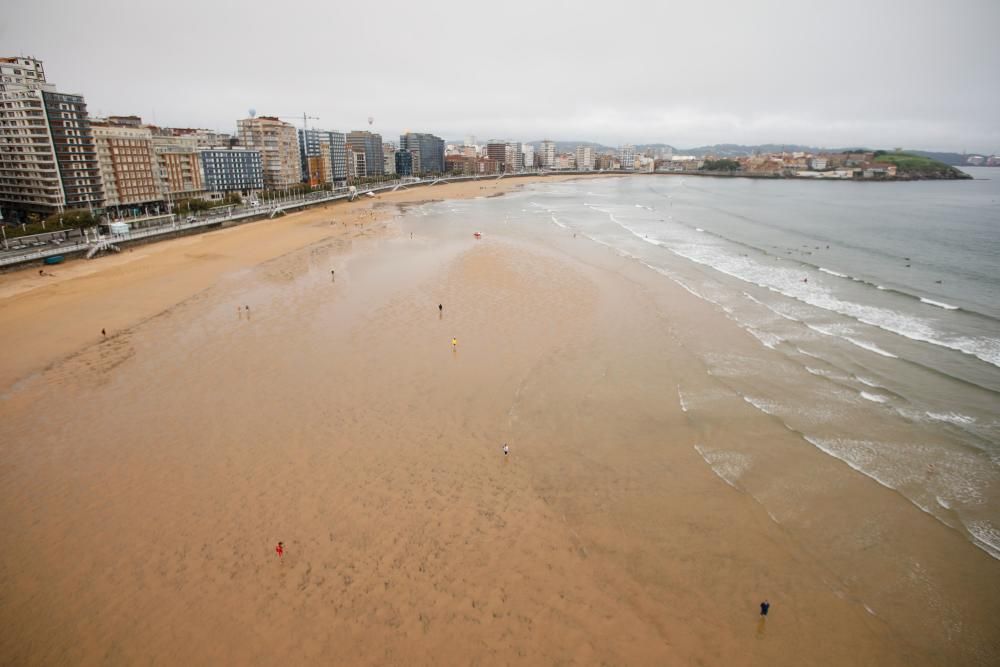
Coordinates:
(129, 168)
(389, 157)
(514, 157)
(427, 151)
(278, 144)
(497, 151)
(548, 154)
(311, 147)
(232, 170)
(404, 163)
(584, 158)
(48, 160)
(627, 156)
(529, 156)
(179, 163)
(368, 144)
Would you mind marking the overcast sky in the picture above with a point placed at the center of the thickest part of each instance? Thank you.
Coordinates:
(915, 73)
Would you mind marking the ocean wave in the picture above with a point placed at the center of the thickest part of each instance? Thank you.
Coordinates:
(834, 273)
(556, 220)
(767, 407)
(766, 338)
(875, 398)
(729, 466)
(680, 398)
(951, 417)
(985, 536)
(871, 347)
(866, 381)
(939, 304)
(788, 282)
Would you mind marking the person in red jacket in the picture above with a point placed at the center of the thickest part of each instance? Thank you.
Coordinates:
(280, 550)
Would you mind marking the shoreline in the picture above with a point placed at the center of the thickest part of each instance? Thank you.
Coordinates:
(153, 473)
(65, 310)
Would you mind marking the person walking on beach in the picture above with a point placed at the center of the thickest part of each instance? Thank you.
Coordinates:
(764, 607)
(440, 308)
(454, 343)
(506, 449)
(104, 333)
(280, 550)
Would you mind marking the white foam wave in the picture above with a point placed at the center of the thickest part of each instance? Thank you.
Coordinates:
(871, 347)
(834, 273)
(767, 339)
(680, 397)
(952, 417)
(870, 383)
(939, 304)
(875, 398)
(767, 407)
(556, 220)
(788, 282)
(985, 536)
(728, 465)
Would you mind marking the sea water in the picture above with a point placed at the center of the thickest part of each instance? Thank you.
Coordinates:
(885, 295)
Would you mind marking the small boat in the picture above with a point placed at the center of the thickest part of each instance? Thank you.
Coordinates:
(55, 259)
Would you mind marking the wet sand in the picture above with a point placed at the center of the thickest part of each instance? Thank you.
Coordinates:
(147, 478)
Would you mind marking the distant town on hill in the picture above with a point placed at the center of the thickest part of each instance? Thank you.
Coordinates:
(740, 150)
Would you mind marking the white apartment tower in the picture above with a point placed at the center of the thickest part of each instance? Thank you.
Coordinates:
(584, 158)
(278, 144)
(548, 154)
(627, 156)
(48, 162)
(529, 156)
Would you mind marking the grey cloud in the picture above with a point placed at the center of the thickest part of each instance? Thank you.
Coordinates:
(921, 74)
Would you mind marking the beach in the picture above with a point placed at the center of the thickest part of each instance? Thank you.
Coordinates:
(148, 474)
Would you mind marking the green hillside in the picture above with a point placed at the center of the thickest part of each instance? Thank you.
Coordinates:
(918, 166)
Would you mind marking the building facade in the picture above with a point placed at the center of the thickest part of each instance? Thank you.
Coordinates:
(368, 144)
(528, 156)
(584, 158)
(389, 157)
(48, 160)
(330, 150)
(232, 170)
(626, 156)
(404, 163)
(278, 145)
(129, 169)
(179, 163)
(547, 154)
(514, 157)
(427, 151)
(497, 151)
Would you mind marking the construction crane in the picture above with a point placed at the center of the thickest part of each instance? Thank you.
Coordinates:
(304, 117)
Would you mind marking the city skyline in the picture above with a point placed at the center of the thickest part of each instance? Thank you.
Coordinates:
(838, 76)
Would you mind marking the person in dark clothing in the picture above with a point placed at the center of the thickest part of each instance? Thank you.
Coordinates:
(764, 607)
(440, 308)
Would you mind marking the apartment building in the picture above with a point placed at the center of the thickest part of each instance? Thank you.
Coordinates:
(368, 144)
(584, 158)
(327, 152)
(278, 145)
(232, 170)
(427, 151)
(128, 165)
(48, 161)
(547, 154)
